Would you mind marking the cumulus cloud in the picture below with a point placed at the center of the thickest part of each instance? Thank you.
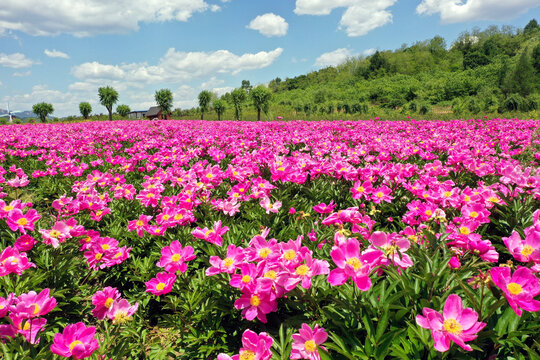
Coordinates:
(359, 18)
(452, 11)
(333, 58)
(369, 51)
(22, 74)
(56, 54)
(269, 25)
(91, 17)
(177, 66)
(15, 60)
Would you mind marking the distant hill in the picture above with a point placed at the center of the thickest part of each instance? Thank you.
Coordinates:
(21, 115)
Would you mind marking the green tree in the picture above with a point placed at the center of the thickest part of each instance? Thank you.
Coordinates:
(164, 98)
(123, 110)
(536, 58)
(219, 108)
(532, 26)
(522, 80)
(260, 96)
(85, 108)
(246, 85)
(43, 110)
(108, 97)
(238, 98)
(205, 97)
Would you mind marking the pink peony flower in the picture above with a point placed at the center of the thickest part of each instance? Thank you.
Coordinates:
(269, 206)
(519, 288)
(16, 220)
(104, 300)
(29, 328)
(77, 341)
(307, 342)
(33, 305)
(455, 324)
(525, 250)
(173, 257)
(394, 247)
(255, 346)
(24, 243)
(11, 261)
(235, 256)
(161, 284)
(121, 311)
(213, 235)
(353, 264)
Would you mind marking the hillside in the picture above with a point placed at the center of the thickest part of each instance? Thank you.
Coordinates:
(495, 71)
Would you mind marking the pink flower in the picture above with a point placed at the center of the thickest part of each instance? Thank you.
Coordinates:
(322, 208)
(353, 264)
(292, 211)
(29, 328)
(161, 284)
(121, 311)
(58, 234)
(258, 303)
(455, 324)
(235, 256)
(16, 220)
(269, 206)
(76, 340)
(139, 225)
(11, 261)
(213, 236)
(519, 288)
(104, 300)
(525, 250)
(34, 305)
(394, 247)
(173, 257)
(307, 341)
(5, 304)
(256, 347)
(24, 243)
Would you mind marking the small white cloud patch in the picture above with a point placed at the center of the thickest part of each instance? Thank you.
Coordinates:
(269, 25)
(56, 54)
(333, 58)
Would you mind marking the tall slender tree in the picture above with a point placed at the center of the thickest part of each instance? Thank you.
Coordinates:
(205, 97)
(219, 108)
(85, 108)
(260, 96)
(238, 98)
(164, 98)
(108, 97)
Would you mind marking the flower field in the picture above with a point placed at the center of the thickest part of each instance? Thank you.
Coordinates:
(275, 240)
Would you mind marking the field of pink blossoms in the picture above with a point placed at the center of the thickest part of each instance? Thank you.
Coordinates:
(255, 241)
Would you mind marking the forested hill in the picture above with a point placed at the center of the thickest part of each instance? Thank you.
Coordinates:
(496, 70)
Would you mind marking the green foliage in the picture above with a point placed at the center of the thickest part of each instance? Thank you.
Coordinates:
(43, 109)
(164, 98)
(238, 98)
(85, 108)
(123, 110)
(219, 107)
(108, 96)
(205, 97)
(260, 96)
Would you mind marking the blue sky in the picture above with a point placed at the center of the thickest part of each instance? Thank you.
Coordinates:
(62, 51)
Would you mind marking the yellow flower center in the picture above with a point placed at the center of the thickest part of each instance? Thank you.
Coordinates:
(37, 309)
(120, 317)
(447, 194)
(247, 355)
(109, 303)
(166, 217)
(380, 194)
(452, 326)
(54, 233)
(74, 343)
(310, 346)
(99, 256)
(175, 257)
(8, 208)
(150, 195)
(246, 279)
(355, 263)
(474, 214)
(160, 286)
(390, 249)
(105, 246)
(302, 270)
(429, 212)
(209, 232)
(514, 289)
(157, 231)
(255, 301)
(360, 189)
(493, 199)
(527, 250)
(270, 274)
(228, 262)
(290, 255)
(22, 221)
(139, 223)
(467, 198)
(464, 230)
(264, 252)
(178, 217)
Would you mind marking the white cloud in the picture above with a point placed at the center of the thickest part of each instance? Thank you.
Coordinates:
(269, 25)
(212, 83)
(453, 11)
(222, 90)
(91, 17)
(333, 58)
(369, 52)
(56, 54)
(22, 74)
(359, 18)
(177, 66)
(15, 60)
